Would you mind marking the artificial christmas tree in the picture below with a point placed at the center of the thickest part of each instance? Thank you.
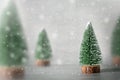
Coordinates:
(12, 43)
(115, 48)
(43, 50)
(90, 54)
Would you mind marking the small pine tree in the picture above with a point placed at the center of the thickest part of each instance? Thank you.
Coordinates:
(90, 52)
(12, 43)
(115, 48)
(43, 50)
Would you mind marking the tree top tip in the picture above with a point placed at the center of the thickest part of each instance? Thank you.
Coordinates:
(88, 24)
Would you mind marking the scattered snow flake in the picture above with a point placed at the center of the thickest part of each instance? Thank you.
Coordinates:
(103, 8)
(106, 20)
(72, 33)
(8, 13)
(18, 33)
(23, 37)
(42, 72)
(82, 5)
(59, 62)
(107, 38)
(12, 55)
(88, 25)
(24, 0)
(93, 3)
(42, 7)
(39, 48)
(7, 28)
(73, 73)
(42, 56)
(32, 9)
(42, 16)
(25, 51)
(72, 1)
(6, 36)
(60, 6)
(54, 35)
(24, 60)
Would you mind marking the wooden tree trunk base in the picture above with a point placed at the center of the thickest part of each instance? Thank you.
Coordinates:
(10, 72)
(116, 60)
(42, 62)
(90, 69)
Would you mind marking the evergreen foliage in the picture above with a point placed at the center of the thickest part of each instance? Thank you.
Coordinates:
(116, 40)
(90, 53)
(43, 50)
(12, 43)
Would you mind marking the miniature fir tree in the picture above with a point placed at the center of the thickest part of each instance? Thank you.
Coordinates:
(116, 40)
(90, 53)
(12, 43)
(43, 50)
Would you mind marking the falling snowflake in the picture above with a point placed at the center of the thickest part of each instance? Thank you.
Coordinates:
(107, 38)
(72, 33)
(12, 55)
(18, 33)
(39, 48)
(82, 5)
(55, 35)
(8, 13)
(93, 3)
(42, 56)
(106, 20)
(103, 9)
(23, 37)
(7, 28)
(41, 16)
(42, 7)
(24, 60)
(72, 1)
(24, 0)
(25, 51)
(59, 62)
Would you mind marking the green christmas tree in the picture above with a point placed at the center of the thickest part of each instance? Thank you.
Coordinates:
(12, 42)
(90, 53)
(116, 40)
(43, 50)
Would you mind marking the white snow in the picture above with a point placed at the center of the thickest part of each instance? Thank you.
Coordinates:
(18, 33)
(72, 1)
(72, 33)
(42, 16)
(42, 56)
(12, 55)
(7, 28)
(93, 3)
(59, 62)
(24, 60)
(103, 9)
(107, 38)
(39, 48)
(24, 0)
(54, 35)
(88, 25)
(107, 20)
(25, 51)
(8, 13)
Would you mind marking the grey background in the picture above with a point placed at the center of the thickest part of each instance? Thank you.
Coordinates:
(65, 22)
